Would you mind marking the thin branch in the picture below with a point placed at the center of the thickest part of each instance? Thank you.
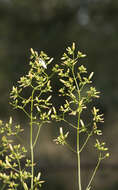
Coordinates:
(36, 138)
(94, 172)
(69, 123)
(70, 148)
(88, 137)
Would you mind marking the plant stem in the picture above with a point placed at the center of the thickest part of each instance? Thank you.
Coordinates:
(94, 172)
(70, 148)
(31, 141)
(69, 123)
(89, 135)
(19, 167)
(78, 155)
(36, 138)
(78, 132)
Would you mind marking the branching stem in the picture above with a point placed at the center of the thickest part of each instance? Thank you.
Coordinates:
(78, 132)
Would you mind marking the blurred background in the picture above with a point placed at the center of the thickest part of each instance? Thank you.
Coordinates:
(51, 26)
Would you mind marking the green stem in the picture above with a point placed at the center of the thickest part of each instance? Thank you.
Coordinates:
(69, 123)
(78, 155)
(26, 112)
(94, 172)
(89, 135)
(22, 108)
(75, 80)
(36, 138)
(19, 166)
(78, 132)
(70, 147)
(31, 141)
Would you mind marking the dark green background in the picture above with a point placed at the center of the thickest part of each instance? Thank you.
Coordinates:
(51, 26)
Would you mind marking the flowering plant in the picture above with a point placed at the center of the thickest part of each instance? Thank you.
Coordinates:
(38, 108)
(78, 93)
